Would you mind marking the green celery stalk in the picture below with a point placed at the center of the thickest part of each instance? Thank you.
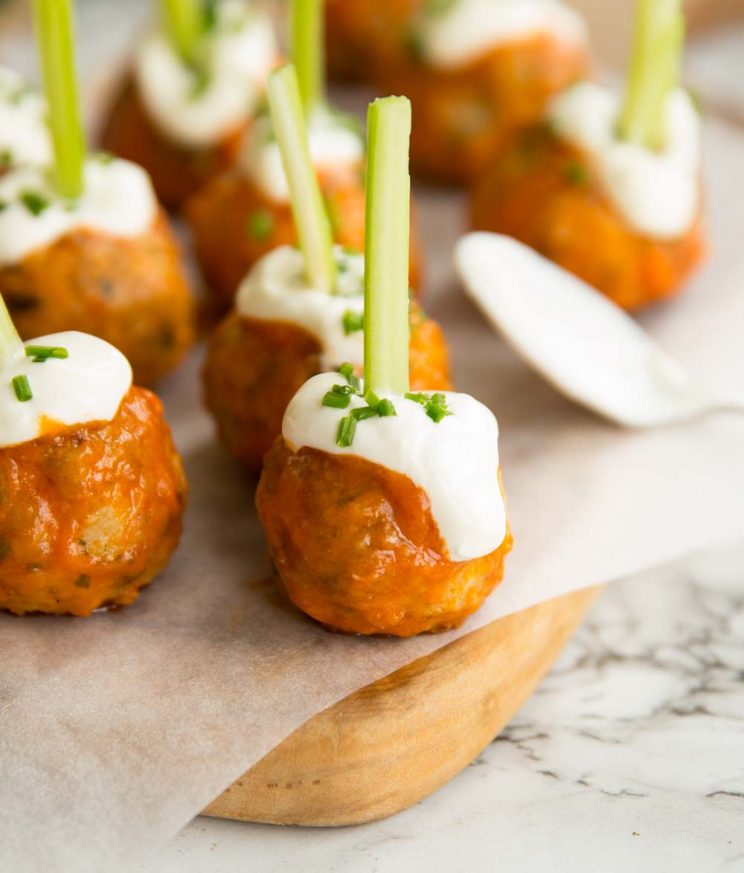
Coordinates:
(386, 331)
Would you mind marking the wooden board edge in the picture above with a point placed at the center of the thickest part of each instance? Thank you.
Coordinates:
(396, 741)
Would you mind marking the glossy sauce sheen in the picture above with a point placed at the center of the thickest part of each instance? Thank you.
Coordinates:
(357, 548)
(90, 514)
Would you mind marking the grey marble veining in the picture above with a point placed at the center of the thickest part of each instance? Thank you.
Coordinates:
(629, 757)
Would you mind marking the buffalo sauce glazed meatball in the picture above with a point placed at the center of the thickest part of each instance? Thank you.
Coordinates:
(242, 214)
(184, 122)
(24, 137)
(106, 263)
(282, 332)
(475, 71)
(91, 488)
(387, 515)
(625, 218)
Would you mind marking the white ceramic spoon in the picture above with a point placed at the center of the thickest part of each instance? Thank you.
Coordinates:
(583, 344)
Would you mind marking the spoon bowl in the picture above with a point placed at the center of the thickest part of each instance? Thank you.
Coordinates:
(578, 340)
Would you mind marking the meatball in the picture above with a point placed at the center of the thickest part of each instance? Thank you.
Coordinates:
(461, 117)
(89, 514)
(176, 170)
(356, 546)
(233, 224)
(545, 192)
(360, 32)
(131, 291)
(254, 368)
(463, 114)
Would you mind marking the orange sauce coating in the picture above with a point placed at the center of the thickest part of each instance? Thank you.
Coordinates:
(132, 292)
(546, 193)
(91, 513)
(234, 223)
(356, 547)
(254, 368)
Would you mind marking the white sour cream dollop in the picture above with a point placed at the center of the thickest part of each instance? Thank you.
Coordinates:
(118, 199)
(237, 55)
(657, 192)
(468, 29)
(24, 138)
(334, 142)
(455, 461)
(276, 290)
(89, 385)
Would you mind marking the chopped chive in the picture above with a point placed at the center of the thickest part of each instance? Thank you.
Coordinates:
(437, 409)
(385, 408)
(363, 412)
(417, 397)
(22, 388)
(34, 202)
(347, 371)
(310, 218)
(658, 37)
(307, 44)
(345, 432)
(42, 353)
(576, 173)
(261, 224)
(386, 331)
(370, 398)
(6, 158)
(338, 397)
(3, 205)
(55, 41)
(352, 321)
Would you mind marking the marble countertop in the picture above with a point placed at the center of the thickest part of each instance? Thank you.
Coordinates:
(630, 756)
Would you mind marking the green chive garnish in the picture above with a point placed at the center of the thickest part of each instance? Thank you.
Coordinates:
(363, 412)
(436, 408)
(43, 353)
(352, 321)
(22, 388)
(261, 224)
(385, 408)
(347, 371)
(417, 397)
(345, 432)
(338, 397)
(34, 202)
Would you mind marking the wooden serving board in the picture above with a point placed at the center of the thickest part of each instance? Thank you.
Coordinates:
(389, 745)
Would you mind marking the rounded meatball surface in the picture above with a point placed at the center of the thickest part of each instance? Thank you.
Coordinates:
(131, 292)
(90, 514)
(176, 170)
(357, 548)
(234, 224)
(254, 368)
(545, 193)
(462, 116)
